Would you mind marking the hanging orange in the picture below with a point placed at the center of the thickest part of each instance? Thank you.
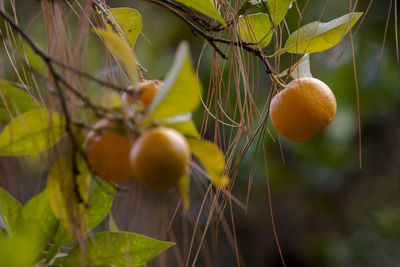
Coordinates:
(302, 109)
(147, 91)
(108, 150)
(159, 158)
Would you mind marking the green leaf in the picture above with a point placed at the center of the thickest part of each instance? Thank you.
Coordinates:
(115, 248)
(255, 28)
(31, 133)
(62, 191)
(253, 6)
(10, 211)
(38, 223)
(34, 60)
(130, 22)
(14, 101)
(318, 36)
(52, 251)
(112, 224)
(278, 9)
(121, 50)
(300, 69)
(211, 158)
(181, 91)
(205, 7)
(100, 202)
(16, 252)
(99, 206)
(183, 124)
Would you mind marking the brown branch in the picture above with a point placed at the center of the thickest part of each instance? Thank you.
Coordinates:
(45, 57)
(63, 102)
(212, 40)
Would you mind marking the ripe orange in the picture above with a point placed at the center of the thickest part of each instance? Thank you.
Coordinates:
(159, 158)
(108, 151)
(148, 89)
(302, 109)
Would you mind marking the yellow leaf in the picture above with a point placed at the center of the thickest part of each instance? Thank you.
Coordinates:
(211, 158)
(121, 50)
(62, 193)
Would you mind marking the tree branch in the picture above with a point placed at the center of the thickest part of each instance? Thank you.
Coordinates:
(213, 40)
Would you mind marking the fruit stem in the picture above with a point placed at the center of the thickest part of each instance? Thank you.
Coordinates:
(277, 81)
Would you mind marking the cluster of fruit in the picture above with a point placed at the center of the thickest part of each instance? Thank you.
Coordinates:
(157, 158)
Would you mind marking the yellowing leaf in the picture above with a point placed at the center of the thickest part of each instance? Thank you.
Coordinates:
(99, 205)
(255, 28)
(17, 252)
(221, 181)
(31, 133)
(278, 9)
(14, 101)
(319, 36)
(181, 91)
(183, 124)
(111, 99)
(121, 50)
(62, 192)
(130, 22)
(205, 7)
(211, 158)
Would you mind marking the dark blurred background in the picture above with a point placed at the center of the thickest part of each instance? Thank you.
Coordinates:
(327, 211)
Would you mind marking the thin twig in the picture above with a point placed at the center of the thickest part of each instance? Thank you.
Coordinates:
(60, 92)
(212, 40)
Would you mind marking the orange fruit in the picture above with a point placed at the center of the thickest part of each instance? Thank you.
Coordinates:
(108, 151)
(302, 109)
(148, 89)
(159, 158)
